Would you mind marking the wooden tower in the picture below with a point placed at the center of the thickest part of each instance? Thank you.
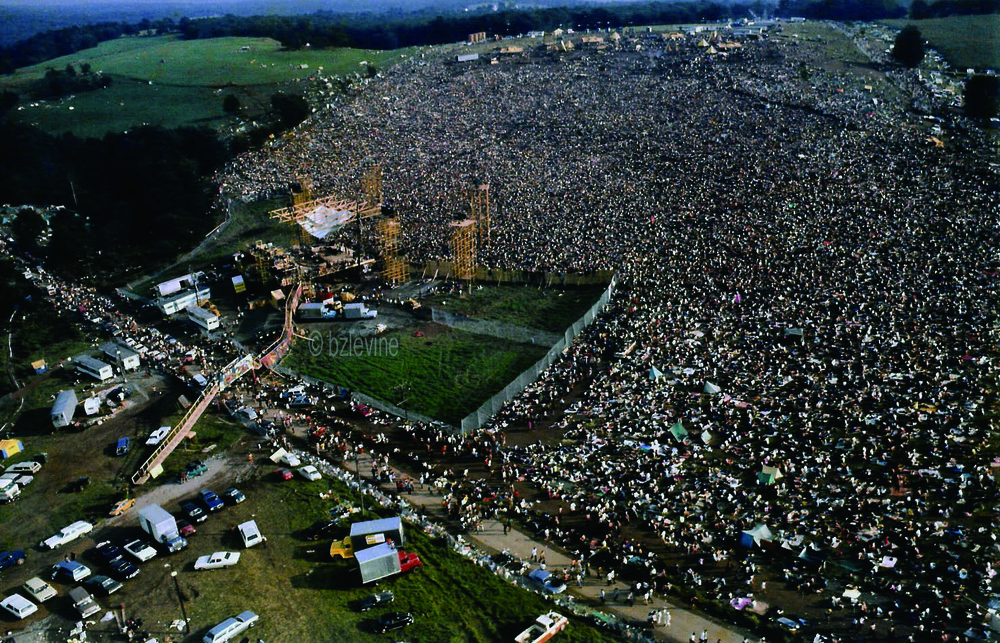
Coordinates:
(394, 270)
(479, 205)
(463, 249)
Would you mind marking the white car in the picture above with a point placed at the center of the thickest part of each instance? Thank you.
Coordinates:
(217, 560)
(19, 606)
(39, 589)
(291, 459)
(68, 534)
(29, 466)
(143, 551)
(309, 472)
(157, 436)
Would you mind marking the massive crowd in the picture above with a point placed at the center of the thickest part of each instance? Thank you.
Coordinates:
(806, 286)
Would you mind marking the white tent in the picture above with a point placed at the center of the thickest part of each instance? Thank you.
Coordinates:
(655, 373)
(712, 389)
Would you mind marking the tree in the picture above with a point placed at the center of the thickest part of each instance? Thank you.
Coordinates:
(231, 104)
(26, 228)
(919, 9)
(982, 96)
(909, 47)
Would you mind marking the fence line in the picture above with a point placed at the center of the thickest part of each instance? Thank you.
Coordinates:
(488, 409)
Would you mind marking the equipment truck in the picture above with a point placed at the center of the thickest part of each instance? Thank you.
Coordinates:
(544, 628)
(162, 527)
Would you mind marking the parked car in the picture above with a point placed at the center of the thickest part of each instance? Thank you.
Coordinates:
(217, 560)
(28, 466)
(185, 529)
(393, 621)
(374, 600)
(408, 561)
(322, 529)
(157, 436)
(124, 570)
(309, 472)
(291, 460)
(210, 501)
(70, 571)
(283, 474)
(11, 558)
(122, 506)
(84, 602)
(108, 553)
(550, 583)
(195, 468)
(233, 496)
(141, 550)
(104, 585)
(68, 533)
(19, 606)
(123, 446)
(231, 627)
(194, 512)
(39, 589)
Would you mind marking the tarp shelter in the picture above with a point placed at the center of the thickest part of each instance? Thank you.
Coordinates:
(678, 431)
(794, 333)
(712, 389)
(9, 448)
(706, 437)
(769, 474)
(655, 373)
(755, 536)
(852, 593)
(278, 455)
(888, 562)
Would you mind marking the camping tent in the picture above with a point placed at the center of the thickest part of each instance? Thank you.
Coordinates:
(712, 389)
(755, 536)
(655, 373)
(10, 447)
(678, 431)
(706, 437)
(768, 474)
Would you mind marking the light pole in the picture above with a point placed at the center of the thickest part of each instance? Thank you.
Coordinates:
(357, 468)
(180, 599)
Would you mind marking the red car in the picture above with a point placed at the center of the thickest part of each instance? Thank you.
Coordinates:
(283, 474)
(185, 528)
(408, 562)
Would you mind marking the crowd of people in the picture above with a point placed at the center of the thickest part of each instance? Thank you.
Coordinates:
(803, 334)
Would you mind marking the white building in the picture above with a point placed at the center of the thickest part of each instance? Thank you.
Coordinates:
(181, 293)
(94, 367)
(114, 351)
(205, 319)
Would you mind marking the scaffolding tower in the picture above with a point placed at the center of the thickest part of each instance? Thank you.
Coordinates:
(479, 205)
(463, 249)
(394, 267)
(371, 184)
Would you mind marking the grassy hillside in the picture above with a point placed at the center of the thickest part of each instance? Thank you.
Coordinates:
(964, 41)
(171, 82)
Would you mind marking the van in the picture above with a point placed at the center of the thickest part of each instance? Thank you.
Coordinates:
(231, 627)
(70, 570)
(250, 533)
(123, 446)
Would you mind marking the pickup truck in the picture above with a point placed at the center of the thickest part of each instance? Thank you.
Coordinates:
(544, 628)
(68, 533)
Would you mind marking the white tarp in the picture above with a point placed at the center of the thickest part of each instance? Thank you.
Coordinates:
(324, 220)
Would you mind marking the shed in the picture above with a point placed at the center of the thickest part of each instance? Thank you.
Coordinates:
(373, 532)
(64, 408)
(9, 448)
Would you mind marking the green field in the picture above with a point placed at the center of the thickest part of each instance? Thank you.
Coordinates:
(445, 374)
(171, 82)
(964, 41)
(528, 306)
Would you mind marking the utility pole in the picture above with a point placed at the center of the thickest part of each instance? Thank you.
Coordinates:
(180, 599)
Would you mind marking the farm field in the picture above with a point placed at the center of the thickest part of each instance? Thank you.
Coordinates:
(964, 41)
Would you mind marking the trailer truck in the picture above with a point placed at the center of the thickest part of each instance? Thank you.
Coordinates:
(161, 527)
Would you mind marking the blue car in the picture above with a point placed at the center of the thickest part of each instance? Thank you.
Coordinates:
(210, 500)
(549, 583)
(11, 558)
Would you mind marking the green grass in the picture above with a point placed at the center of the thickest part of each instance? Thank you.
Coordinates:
(450, 373)
(213, 428)
(836, 44)
(527, 306)
(214, 62)
(964, 41)
(171, 82)
(303, 595)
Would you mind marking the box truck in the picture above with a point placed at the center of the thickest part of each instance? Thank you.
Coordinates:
(161, 527)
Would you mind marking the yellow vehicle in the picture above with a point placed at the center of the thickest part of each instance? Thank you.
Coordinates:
(342, 548)
(122, 506)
